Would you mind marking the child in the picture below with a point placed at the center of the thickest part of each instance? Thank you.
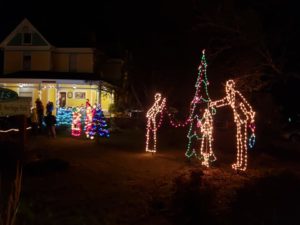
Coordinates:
(50, 121)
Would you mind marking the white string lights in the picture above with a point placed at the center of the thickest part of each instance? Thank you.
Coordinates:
(13, 130)
(152, 124)
(201, 126)
(243, 117)
(206, 128)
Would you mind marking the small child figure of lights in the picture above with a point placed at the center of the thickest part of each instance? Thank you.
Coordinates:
(206, 128)
(152, 124)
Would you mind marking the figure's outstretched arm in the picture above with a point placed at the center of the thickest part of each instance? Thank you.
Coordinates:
(219, 103)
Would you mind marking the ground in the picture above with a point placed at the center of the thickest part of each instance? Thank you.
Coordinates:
(72, 181)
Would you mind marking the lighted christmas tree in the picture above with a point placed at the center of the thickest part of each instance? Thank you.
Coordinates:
(99, 125)
(64, 116)
(201, 96)
(76, 123)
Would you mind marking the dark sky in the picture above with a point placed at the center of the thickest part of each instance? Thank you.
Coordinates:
(161, 27)
(160, 33)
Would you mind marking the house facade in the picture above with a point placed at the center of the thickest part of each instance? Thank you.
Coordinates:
(35, 68)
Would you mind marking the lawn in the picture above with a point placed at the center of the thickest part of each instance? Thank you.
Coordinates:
(72, 181)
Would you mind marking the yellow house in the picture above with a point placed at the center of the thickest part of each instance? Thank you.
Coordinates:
(65, 76)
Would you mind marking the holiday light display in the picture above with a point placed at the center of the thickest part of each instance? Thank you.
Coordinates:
(206, 128)
(64, 116)
(88, 120)
(76, 123)
(152, 124)
(201, 128)
(252, 137)
(243, 116)
(99, 125)
(193, 133)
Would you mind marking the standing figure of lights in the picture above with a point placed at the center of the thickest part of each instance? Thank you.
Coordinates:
(206, 128)
(243, 118)
(152, 124)
(76, 123)
(88, 119)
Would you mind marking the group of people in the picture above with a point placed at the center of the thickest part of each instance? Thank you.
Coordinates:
(37, 118)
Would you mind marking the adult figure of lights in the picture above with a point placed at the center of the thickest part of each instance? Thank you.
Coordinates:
(88, 119)
(152, 125)
(243, 117)
(206, 128)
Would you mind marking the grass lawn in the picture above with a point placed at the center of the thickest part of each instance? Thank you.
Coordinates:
(72, 181)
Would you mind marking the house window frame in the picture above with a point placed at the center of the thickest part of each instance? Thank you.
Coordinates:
(26, 54)
(23, 38)
(73, 62)
(79, 91)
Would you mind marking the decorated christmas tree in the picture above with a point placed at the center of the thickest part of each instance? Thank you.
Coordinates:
(199, 102)
(99, 125)
(76, 123)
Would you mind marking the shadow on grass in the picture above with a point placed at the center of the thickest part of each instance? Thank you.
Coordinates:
(45, 166)
(272, 200)
(191, 201)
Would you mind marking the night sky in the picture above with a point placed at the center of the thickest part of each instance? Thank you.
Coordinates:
(165, 38)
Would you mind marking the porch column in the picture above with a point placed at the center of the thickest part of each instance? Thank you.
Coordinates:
(99, 93)
(40, 91)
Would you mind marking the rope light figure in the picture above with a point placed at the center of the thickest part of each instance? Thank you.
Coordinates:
(76, 123)
(243, 117)
(88, 119)
(152, 124)
(206, 128)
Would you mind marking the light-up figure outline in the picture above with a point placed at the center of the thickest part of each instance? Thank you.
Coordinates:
(206, 129)
(88, 119)
(152, 125)
(76, 122)
(243, 117)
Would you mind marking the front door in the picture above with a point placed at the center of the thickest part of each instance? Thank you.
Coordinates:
(62, 99)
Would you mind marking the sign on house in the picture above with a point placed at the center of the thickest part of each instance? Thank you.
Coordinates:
(12, 105)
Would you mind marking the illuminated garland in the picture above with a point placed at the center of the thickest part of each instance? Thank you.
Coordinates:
(243, 116)
(152, 125)
(13, 130)
(76, 123)
(64, 116)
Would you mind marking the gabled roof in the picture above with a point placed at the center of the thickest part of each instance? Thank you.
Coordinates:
(58, 35)
(25, 23)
